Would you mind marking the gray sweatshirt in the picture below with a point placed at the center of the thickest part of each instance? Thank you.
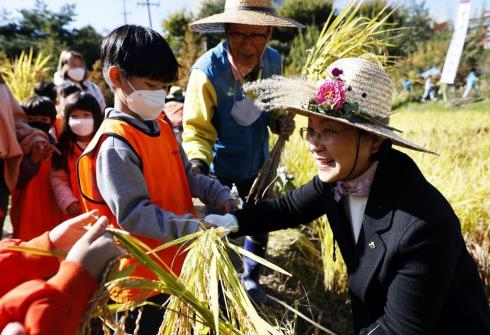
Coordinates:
(122, 185)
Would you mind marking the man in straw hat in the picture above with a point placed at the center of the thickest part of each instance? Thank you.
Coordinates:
(224, 132)
(409, 269)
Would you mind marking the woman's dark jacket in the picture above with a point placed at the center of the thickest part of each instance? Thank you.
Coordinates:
(410, 272)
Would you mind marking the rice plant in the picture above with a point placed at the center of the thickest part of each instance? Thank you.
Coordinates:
(24, 72)
(206, 298)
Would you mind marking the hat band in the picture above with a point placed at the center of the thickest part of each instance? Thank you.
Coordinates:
(266, 10)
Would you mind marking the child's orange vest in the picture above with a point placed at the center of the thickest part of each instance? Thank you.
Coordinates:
(72, 170)
(164, 174)
(34, 208)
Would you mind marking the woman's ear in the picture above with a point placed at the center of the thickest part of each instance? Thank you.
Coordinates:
(375, 143)
(115, 76)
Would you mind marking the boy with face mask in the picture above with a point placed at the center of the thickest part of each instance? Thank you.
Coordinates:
(34, 208)
(133, 170)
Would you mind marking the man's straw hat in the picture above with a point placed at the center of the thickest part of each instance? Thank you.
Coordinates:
(251, 12)
(367, 89)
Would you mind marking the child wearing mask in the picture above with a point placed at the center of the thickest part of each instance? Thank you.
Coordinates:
(82, 118)
(72, 68)
(133, 170)
(63, 92)
(34, 208)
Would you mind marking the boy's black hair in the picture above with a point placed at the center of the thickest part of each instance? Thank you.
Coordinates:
(68, 88)
(78, 100)
(46, 89)
(37, 105)
(140, 52)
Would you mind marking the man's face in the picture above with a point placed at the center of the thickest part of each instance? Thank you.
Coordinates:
(246, 44)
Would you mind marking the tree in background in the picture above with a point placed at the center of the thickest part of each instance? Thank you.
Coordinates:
(410, 23)
(175, 27)
(47, 31)
(308, 12)
(299, 49)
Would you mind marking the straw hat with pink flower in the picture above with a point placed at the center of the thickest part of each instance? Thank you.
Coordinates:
(357, 92)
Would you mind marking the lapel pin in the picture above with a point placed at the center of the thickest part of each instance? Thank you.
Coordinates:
(372, 245)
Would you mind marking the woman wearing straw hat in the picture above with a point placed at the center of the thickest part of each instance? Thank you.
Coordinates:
(224, 132)
(408, 266)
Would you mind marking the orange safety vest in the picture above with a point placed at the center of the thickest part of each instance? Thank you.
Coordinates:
(72, 170)
(163, 171)
(34, 208)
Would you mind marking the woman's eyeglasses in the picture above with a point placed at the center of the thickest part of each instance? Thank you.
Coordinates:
(308, 134)
(240, 38)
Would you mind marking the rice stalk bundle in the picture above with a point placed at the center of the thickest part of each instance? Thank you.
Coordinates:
(207, 297)
(23, 73)
(210, 276)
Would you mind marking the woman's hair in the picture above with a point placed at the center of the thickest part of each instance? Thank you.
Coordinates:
(76, 101)
(63, 66)
(140, 52)
(37, 105)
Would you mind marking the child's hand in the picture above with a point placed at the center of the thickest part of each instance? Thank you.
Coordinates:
(42, 150)
(227, 221)
(95, 248)
(64, 235)
(74, 208)
(229, 206)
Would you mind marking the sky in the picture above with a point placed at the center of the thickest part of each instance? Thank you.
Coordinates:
(105, 15)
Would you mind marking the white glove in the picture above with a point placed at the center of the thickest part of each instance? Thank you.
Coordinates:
(227, 221)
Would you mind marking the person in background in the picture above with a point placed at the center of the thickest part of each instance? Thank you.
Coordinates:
(225, 134)
(34, 208)
(471, 84)
(409, 269)
(46, 89)
(429, 89)
(72, 68)
(64, 91)
(174, 109)
(16, 139)
(30, 303)
(134, 170)
(82, 118)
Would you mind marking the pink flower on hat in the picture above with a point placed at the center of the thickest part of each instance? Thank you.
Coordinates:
(331, 94)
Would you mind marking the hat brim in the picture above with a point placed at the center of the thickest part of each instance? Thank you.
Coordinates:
(367, 126)
(215, 23)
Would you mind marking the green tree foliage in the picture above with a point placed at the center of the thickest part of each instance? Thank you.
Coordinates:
(47, 31)
(295, 60)
(410, 23)
(175, 27)
(307, 12)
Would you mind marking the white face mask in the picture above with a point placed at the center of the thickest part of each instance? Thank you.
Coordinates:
(76, 73)
(245, 112)
(148, 104)
(81, 127)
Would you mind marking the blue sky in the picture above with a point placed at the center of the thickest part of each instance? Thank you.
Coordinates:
(105, 15)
